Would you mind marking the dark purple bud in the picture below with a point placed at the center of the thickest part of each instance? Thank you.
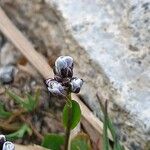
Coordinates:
(47, 81)
(58, 78)
(55, 87)
(76, 84)
(2, 140)
(64, 81)
(8, 146)
(64, 66)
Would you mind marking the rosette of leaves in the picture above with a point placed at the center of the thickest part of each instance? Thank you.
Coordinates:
(11, 120)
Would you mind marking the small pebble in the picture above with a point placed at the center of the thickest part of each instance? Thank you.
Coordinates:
(2, 90)
(8, 55)
(7, 74)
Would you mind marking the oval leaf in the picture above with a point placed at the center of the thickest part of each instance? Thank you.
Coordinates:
(74, 114)
(53, 141)
(81, 142)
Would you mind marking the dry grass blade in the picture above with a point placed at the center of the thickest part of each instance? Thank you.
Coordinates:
(30, 147)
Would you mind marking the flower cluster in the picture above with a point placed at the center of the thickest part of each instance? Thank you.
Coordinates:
(64, 81)
(6, 145)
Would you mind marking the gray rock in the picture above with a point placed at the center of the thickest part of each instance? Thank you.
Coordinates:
(8, 54)
(7, 74)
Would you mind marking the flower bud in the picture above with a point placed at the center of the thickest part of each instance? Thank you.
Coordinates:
(2, 140)
(55, 87)
(64, 66)
(76, 84)
(8, 146)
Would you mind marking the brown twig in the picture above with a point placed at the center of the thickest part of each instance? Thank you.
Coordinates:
(39, 136)
(9, 127)
(100, 99)
(49, 114)
(15, 115)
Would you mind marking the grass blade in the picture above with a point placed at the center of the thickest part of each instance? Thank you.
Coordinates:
(3, 113)
(105, 127)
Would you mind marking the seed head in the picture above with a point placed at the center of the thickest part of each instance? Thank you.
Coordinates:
(55, 87)
(2, 140)
(63, 82)
(8, 146)
(76, 84)
(64, 66)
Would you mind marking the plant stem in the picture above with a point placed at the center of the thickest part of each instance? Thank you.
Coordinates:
(67, 134)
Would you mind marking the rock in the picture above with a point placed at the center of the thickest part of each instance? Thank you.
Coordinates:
(115, 37)
(7, 74)
(8, 54)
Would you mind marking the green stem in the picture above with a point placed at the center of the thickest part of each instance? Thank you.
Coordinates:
(67, 134)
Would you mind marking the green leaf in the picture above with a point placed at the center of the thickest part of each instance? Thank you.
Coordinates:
(33, 100)
(73, 113)
(28, 104)
(20, 133)
(105, 127)
(117, 145)
(53, 141)
(17, 98)
(110, 126)
(3, 113)
(81, 142)
(36, 97)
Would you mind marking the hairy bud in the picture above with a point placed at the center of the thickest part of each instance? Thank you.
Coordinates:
(64, 66)
(76, 84)
(2, 140)
(55, 87)
(8, 146)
